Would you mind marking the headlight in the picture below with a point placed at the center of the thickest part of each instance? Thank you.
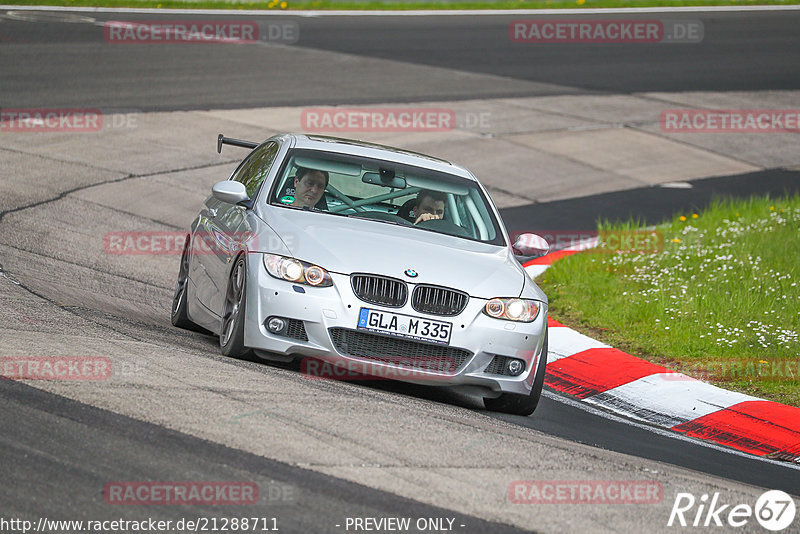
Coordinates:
(297, 271)
(512, 309)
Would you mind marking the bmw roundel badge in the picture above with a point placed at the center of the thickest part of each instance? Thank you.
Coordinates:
(411, 273)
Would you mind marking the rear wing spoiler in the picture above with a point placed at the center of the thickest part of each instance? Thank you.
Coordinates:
(222, 140)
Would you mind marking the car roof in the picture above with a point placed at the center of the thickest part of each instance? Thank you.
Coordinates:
(377, 151)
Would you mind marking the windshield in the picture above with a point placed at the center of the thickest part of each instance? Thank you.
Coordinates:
(388, 192)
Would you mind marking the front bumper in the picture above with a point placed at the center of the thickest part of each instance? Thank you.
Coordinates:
(325, 316)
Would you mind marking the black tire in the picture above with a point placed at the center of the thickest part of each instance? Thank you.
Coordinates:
(180, 316)
(522, 404)
(231, 333)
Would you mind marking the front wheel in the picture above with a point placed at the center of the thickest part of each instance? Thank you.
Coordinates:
(231, 336)
(522, 404)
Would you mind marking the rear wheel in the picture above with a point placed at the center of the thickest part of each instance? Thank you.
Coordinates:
(522, 404)
(180, 316)
(231, 336)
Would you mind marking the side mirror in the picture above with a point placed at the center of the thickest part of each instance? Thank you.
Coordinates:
(230, 192)
(530, 245)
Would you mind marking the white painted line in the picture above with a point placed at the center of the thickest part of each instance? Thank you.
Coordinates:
(39, 16)
(553, 355)
(420, 13)
(676, 185)
(584, 244)
(660, 431)
(564, 342)
(536, 270)
(667, 399)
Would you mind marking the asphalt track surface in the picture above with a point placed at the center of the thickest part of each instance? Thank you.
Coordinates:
(649, 205)
(72, 448)
(72, 65)
(57, 452)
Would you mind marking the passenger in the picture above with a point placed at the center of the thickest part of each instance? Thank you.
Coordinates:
(429, 205)
(309, 185)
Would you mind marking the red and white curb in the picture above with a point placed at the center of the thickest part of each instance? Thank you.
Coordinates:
(603, 376)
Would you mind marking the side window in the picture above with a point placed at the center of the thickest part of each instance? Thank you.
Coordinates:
(257, 167)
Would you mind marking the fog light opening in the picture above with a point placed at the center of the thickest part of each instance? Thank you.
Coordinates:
(276, 325)
(515, 367)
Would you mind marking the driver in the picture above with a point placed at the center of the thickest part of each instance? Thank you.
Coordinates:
(309, 185)
(429, 205)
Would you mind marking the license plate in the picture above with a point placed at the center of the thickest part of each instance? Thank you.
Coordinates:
(407, 326)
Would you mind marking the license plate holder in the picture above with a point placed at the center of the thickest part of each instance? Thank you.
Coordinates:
(404, 326)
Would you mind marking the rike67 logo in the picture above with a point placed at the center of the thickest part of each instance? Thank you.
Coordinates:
(774, 510)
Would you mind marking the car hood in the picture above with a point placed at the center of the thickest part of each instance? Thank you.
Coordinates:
(347, 245)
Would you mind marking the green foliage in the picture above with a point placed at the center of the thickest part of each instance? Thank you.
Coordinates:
(722, 291)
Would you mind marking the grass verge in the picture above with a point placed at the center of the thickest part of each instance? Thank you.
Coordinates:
(719, 299)
(333, 5)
